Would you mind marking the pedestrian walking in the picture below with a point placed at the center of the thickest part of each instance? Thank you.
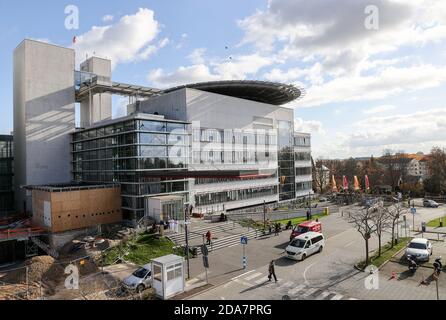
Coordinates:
(208, 237)
(272, 271)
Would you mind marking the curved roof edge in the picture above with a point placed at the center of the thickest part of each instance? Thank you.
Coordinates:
(260, 91)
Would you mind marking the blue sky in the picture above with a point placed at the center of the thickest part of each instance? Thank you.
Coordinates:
(367, 89)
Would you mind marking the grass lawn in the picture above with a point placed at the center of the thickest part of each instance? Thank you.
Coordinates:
(436, 222)
(386, 253)
(140, 250)
(300, 219)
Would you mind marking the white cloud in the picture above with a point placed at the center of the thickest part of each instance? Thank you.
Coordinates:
(152, 49)
(197, 56)
(238, 68)
(334, 32)
(107, 18)
(410, 132)
(380, 109)
(183, 75)
(386, 83)
(308, 126)
(125, 41)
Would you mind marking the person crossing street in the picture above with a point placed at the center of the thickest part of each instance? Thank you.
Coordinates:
(272, 271)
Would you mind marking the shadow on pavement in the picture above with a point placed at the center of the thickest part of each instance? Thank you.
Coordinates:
(284, 262)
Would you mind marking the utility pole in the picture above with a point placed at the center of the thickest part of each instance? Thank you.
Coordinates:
(186, 211)
(264, 214)
(436, 284)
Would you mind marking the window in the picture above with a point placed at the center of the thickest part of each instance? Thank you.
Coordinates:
(153, 152)
(151, 138)
(152, 126)
(157, 272)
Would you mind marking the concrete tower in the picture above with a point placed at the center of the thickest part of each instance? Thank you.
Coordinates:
(44, 115)
(99, 106)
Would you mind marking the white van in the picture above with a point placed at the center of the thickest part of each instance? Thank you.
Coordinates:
(305, 245)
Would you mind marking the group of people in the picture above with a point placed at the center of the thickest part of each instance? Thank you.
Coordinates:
(277, 228)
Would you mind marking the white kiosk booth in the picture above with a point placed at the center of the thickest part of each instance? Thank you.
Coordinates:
(168, 276)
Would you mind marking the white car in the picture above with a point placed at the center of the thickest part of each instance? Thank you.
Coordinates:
(305, 245)
(420, 249)
(140, 279)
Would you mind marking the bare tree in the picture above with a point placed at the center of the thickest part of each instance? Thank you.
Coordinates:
(364, 222)
(394, 212)
(381, 220)
(321, 175)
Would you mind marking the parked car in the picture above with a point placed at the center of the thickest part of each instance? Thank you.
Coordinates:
(430, 203)
(305, 245)
(304, 227)
(323, 199)
(140, 279)
(420, 249)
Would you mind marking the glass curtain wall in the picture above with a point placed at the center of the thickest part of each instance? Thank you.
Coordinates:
(128, 152)
(286, 160)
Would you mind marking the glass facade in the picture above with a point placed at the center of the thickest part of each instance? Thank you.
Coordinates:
(234, 195)
(302, 155)
(286, 161)
(6, 174)
(128, 152)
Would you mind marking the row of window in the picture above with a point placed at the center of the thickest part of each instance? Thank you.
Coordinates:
(199, 181)
(302, 141)
(302, 156)
(303, 186)
(130, 164)
(154, 188)
(235, 195)
(303, 171)
(132, 138)
(132, 125)
(260, 137)
(92, 215)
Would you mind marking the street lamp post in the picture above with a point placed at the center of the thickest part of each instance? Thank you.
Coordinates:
(186, 234)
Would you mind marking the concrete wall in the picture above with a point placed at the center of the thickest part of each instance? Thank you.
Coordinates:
(214, 110)
(77, 209)
(101, 104)
(43, 115)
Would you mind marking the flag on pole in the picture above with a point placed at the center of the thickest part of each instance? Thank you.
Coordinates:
(74, 39)
(356, 182)
(367, 183)
(345, 183)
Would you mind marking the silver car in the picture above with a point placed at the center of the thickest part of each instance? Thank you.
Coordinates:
(420, 249)
(139, 280)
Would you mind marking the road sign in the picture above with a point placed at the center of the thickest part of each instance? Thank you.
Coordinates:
(244, 240)
(204, 250)
(413, 210)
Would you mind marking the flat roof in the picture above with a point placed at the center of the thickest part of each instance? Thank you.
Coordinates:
(72, 187)
(260, 91)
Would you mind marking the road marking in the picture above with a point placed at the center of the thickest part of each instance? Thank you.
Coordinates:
(246, 284)
(349, 244)
(222, 298)
(243, 274)
(323, 295)
(259, 281)
(305, 273)
(234, 245)
(286, 285)
(309, 292)
(337, 297)
(297, 289)
(255, 275)
(353, 299)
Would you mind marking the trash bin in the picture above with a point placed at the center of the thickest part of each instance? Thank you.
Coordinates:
(326, 211)
(194, 252)
(441, 223)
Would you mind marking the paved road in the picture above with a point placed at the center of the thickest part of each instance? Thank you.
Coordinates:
(319, 277)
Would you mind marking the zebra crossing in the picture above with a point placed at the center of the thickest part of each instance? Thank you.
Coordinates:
(292, 289)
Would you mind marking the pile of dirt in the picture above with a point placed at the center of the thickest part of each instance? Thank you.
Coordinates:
(41, 268)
